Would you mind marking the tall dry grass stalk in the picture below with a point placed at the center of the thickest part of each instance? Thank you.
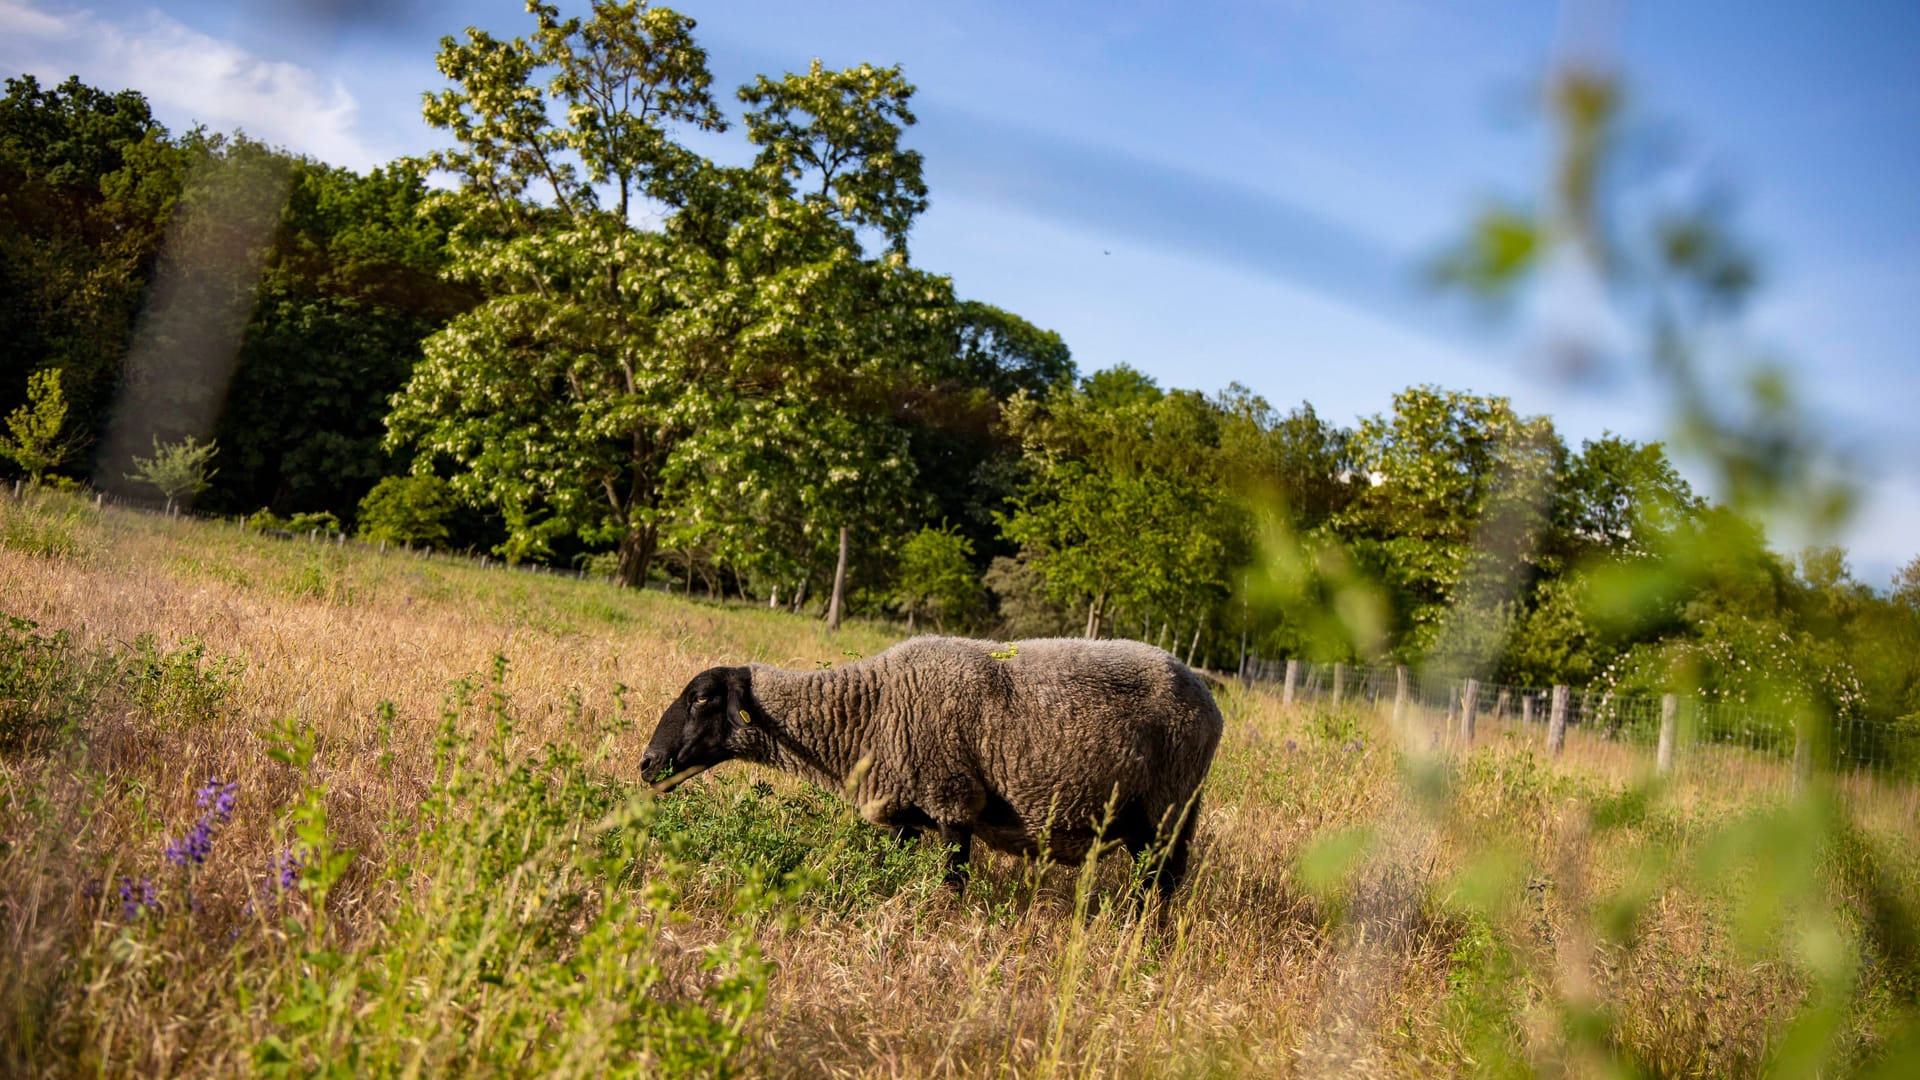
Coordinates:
(1362, 900)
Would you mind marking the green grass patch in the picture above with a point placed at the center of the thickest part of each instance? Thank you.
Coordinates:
(47, 524)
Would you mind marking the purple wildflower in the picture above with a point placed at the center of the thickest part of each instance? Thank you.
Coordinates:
(217, 800)
(287, 866)
(1291, 745)
(193, 848)
(136, 898)
(284, 875)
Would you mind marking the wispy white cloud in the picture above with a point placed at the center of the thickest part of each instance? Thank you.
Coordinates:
(188, 75)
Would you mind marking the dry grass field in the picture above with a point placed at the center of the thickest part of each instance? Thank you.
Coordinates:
(275, 808)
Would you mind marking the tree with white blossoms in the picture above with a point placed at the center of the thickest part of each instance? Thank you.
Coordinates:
(621, 383)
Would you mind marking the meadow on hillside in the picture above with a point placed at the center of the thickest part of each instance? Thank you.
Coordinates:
(278, 808)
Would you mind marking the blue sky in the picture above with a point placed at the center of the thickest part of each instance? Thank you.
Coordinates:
(1217, 192)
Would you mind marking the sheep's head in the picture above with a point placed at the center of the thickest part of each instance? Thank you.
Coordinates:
(706, 725)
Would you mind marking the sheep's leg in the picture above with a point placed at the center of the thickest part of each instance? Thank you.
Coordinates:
(959, 838)
(908, 823)
(1173, 868)
(1141, 834)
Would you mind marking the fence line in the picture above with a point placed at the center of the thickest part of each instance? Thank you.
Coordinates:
(1677, 734)
(155, 507)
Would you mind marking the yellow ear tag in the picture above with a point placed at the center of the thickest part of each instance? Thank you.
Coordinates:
(746, 717)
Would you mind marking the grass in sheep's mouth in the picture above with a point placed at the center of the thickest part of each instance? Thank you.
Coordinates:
(663, 786)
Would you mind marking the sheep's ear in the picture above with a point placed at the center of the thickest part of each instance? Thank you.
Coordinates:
(740, 695)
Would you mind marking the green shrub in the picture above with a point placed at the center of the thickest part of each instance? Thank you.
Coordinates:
(1486, 1000)
(182, 686)
(265, 520)
(50, 531)
(307, 521)
(524, 938)
(407, 509)
(47, 686)
(737, 831)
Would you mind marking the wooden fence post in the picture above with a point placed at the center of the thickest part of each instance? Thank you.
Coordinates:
(1500, 704)
(1399, 693)
(1526, 709)
(1468, 702)
(1293, 679)
(1339, 681)
(1557, 723)
(1669, 718)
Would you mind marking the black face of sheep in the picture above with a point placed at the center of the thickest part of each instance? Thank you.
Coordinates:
(700, 729)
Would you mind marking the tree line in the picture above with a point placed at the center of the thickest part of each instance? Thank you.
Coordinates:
(592, 345)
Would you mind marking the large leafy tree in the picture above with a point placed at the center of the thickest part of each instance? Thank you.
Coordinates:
(629, 385)
(1295, 459)
(88, 181)
(967, 461)
(350, 288)
(187, 339)
(556, 398)
(1451, 505)
(1127, 513)
(1617, 507)
(1620, 499)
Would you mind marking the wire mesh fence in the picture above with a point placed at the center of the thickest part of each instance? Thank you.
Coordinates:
(1735, 743)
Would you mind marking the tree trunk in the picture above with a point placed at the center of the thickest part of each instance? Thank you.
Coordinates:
(636, 558)
(1093, 614)
(839, 584)
(1195, 647)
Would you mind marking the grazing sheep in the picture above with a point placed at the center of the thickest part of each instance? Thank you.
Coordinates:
(1030, 747)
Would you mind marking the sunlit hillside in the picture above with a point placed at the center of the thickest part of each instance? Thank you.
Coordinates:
(284, 808)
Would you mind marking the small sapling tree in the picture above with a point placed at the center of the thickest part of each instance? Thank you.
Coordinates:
(33, 438)
(180, 471)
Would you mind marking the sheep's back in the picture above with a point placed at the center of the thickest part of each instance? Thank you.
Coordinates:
(1082, 723)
